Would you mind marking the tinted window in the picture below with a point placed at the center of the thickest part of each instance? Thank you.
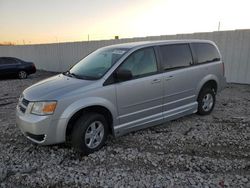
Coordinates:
(141, 62)
(8, 61)
(176, 56)
(205, 52)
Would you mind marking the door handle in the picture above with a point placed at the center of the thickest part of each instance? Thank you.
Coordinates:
(169, 78)
(157, 80)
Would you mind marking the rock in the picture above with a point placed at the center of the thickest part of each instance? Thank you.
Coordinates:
(245, 180)
(3, 173)
(238, 177)
(191, 181)
(154, 164)
(226, 183)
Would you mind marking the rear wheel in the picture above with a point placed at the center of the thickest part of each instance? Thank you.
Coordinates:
(206, 101)
(89, 133)
(22, 74)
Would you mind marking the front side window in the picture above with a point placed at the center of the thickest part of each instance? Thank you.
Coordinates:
(205, 52)
(176, 56)
(96, 64)
(141, 63)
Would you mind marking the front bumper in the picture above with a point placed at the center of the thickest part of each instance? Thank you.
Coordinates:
(39, 129)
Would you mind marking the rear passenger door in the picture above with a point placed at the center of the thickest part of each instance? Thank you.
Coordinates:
(179, 80)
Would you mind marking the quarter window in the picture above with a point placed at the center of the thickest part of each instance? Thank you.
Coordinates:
(141, 63)
(176, 56)
(205, 52)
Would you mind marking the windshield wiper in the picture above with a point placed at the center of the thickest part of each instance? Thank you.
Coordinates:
(73, 75)
(68, 73)
(83, 77)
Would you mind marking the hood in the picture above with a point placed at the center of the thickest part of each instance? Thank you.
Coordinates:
(54, 88)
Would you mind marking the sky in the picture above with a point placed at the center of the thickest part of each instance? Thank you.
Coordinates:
(52, 21)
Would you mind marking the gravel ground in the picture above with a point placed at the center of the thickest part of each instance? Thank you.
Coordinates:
(193, 151)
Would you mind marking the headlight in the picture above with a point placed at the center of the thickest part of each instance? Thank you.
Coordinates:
(43, 108)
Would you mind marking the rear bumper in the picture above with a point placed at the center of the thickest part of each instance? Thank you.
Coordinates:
(31, 70)
(223, 83)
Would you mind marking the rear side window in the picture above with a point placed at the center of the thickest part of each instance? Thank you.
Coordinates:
(205, 52)
(8, 61)
(176, 56)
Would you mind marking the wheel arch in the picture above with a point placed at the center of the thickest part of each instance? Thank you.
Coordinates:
(211, 83)
(87, 109)
(210, 80)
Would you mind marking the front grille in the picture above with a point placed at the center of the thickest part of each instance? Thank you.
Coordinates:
(25, 102)
(22, 109)
(23, 105)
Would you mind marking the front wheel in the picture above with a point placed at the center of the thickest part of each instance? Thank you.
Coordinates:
(89, 133)
(206, 101)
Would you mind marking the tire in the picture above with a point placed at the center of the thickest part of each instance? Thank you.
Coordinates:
(89, 133)
(206, 101)
(22, 74)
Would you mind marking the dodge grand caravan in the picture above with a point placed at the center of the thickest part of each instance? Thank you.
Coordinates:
(119, 89)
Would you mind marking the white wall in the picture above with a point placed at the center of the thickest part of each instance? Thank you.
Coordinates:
(234, 47)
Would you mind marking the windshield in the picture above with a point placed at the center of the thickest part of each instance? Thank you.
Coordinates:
(96, 64)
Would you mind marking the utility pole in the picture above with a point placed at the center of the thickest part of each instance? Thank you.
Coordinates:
(219, 26)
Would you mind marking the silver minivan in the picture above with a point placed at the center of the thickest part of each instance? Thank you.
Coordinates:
(119, 89)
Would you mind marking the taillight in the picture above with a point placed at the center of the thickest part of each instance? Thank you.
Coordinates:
(33, 66)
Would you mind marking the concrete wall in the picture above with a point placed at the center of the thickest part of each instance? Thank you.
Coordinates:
(234, 47)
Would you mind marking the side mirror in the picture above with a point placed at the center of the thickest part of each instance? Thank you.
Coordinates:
(123, 75)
